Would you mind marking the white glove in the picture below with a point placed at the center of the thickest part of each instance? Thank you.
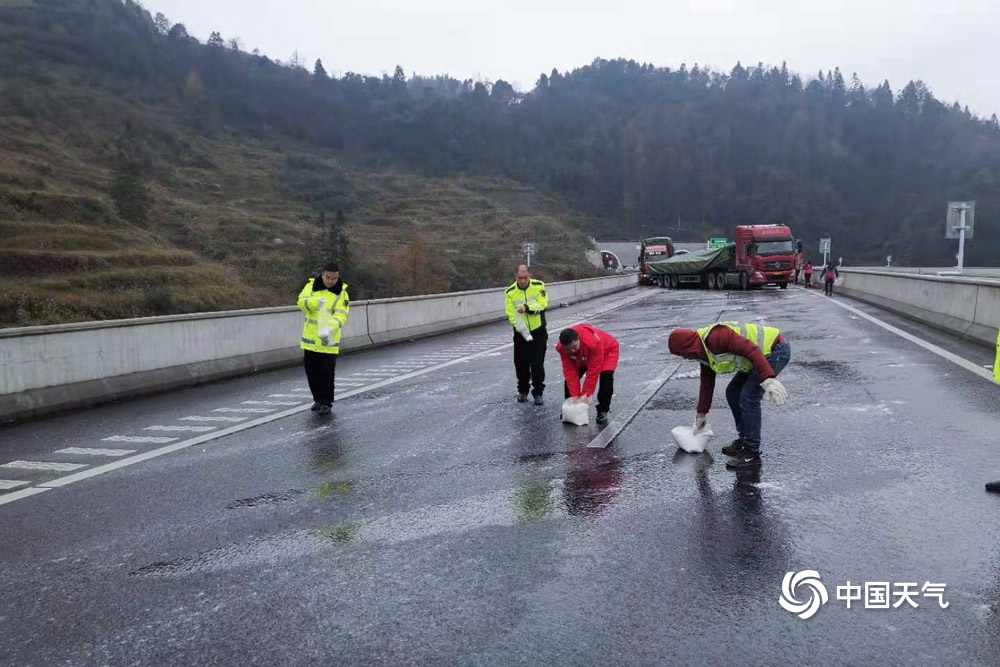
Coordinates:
(774, 391)
(322, 302)
(324, 335)
(699, 423)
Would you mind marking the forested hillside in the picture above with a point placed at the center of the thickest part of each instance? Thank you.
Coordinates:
(142, 171)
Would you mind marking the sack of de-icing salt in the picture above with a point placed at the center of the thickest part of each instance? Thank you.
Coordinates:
(522, 326)
(687, 440)
(575, 412)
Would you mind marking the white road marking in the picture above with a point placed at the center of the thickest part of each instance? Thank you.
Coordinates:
(161, 451)
(196, 418)
(181, 429)
(8, 484)
(618, 424)
(269, 403)
(259, 411)
(143, 439)
(94, 451)
(930, 347)
(18, 495)
(284, 396)
(43, 465)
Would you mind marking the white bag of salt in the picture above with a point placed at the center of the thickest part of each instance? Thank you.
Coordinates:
(575, 412)
(689, 441)
(522, 326)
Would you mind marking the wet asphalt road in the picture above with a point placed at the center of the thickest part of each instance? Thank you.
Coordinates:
(437, 521)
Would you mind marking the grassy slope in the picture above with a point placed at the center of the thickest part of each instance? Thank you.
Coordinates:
(234, 219)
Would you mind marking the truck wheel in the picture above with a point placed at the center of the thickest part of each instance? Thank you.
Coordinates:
(711, 281)
(720, 280)
(661, 281)
(744, 281)
(673, 282)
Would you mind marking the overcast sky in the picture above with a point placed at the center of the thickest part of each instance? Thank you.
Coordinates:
(953, 45)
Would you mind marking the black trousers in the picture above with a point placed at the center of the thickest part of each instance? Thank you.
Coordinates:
(828, 286)
(529, 361)
(605, 389)
(321, 368)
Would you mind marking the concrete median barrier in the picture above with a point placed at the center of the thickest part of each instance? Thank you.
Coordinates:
(967, 306)
(50, 368)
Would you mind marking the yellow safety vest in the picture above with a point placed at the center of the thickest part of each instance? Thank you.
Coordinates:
(730, 363)
(333, 316)
(996, 364)
(535, 300)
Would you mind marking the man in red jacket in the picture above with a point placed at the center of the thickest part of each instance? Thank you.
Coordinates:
(586, 350)
(756, 354)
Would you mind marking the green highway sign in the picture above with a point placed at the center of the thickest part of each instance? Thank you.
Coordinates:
(714, 243)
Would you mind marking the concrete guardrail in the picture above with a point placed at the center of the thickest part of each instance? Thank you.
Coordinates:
(50, 368)
(967, 306)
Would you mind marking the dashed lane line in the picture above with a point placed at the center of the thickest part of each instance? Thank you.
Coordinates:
(8, 484)
(140, 439)
(180, 429)
(43, 465)
(279, 403)
(269, 415)
(198, 418)
(95, 451)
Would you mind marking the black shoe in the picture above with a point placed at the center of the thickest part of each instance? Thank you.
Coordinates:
(735, 448)
(539, 400)
(602, 417)
(522, 398)
(744, 462)
(315, 407)
(323, 410)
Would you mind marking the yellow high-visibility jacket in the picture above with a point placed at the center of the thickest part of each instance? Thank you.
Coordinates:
(533, 298)
(332, 315)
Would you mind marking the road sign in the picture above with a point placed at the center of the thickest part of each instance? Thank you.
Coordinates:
(961, 217)
(824, 245)
(528, 249)
(952, 229)
(714, 243)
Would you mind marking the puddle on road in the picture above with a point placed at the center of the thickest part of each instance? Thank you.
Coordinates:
(833, 369)
(327, 489)
(672, 401)
(345, 531)
(266, 499)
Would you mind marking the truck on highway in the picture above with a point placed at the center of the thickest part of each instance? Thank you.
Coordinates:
(762, 255)
(653, 249)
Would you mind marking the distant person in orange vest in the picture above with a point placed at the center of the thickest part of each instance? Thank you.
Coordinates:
(809, 274)
(586, 350)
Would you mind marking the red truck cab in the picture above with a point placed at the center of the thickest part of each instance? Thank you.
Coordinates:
(653, 249)
(766, 254)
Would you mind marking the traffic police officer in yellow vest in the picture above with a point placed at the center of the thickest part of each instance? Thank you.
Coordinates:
(756, 354)
(325, 303)
(525, 304)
